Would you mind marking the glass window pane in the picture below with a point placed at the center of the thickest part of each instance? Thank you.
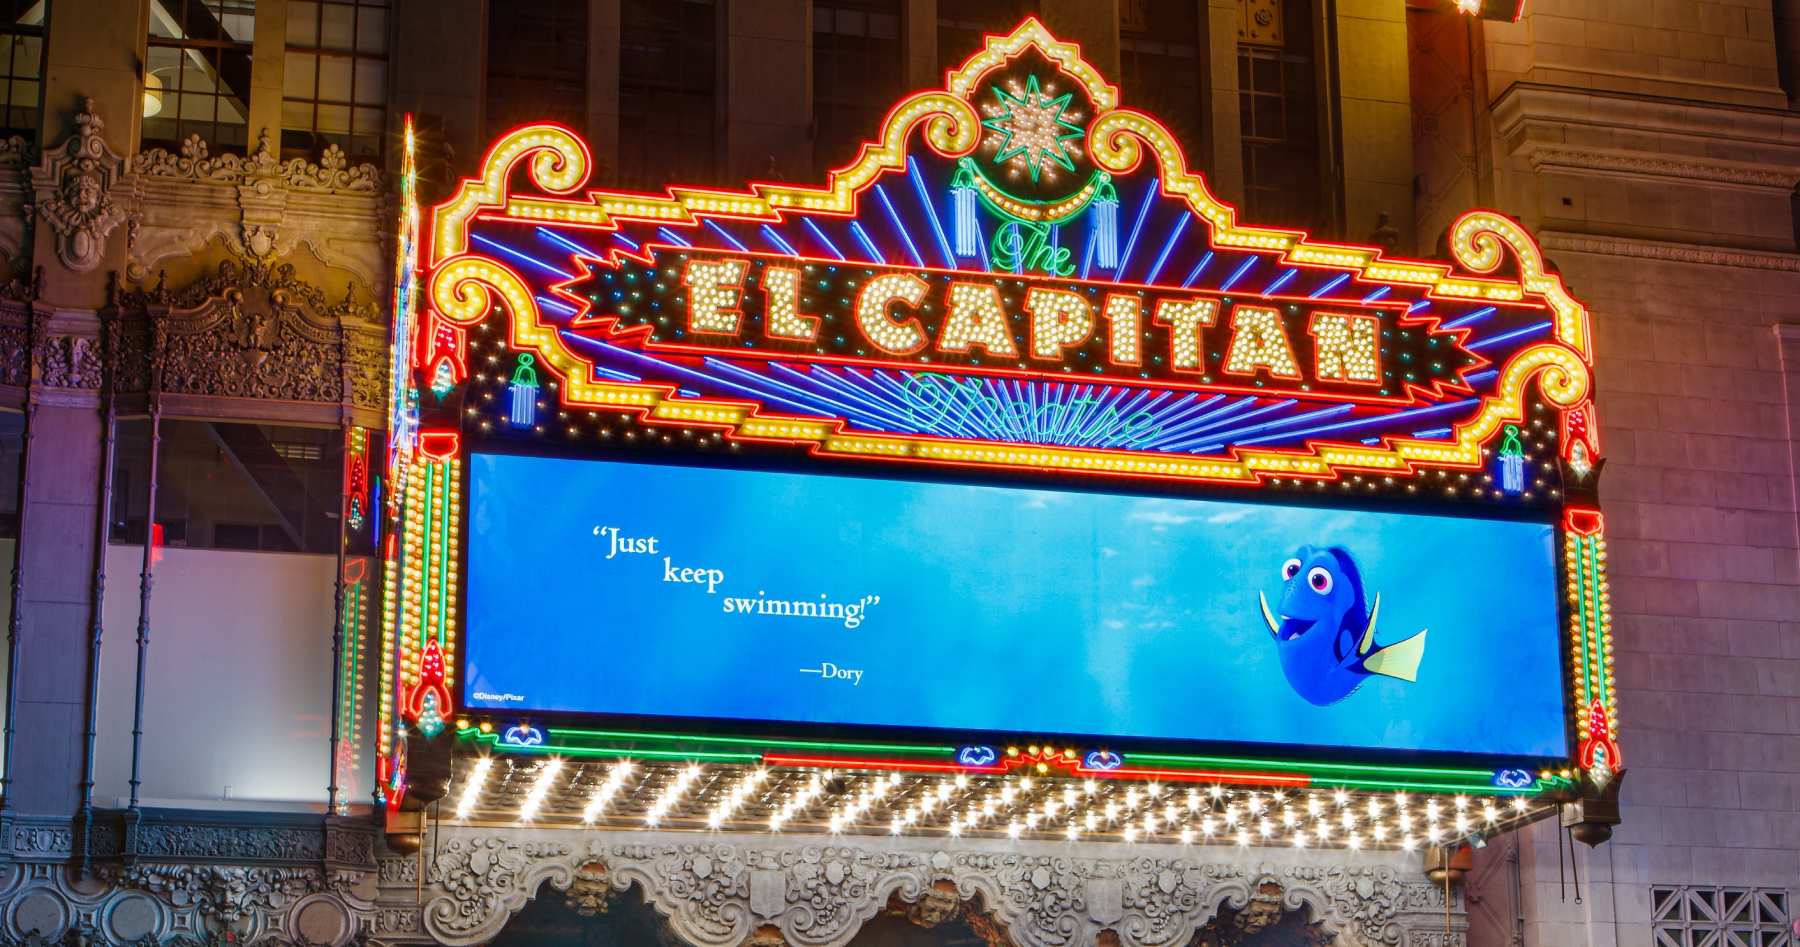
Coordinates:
(296, 114)
(370, 121)
(371, 30)
(337, 26)
(334, 79)
(371, 82)
(303, 23)
(297, 77)
(27, 55)
(334, 119)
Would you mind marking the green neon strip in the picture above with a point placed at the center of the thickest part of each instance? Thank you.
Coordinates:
(1537, 786)
(353, 625)
(890, 748)
(492, 741)
(1231, 761)
(1587, 648)
(1597, 656)
(1059, 221)
(443, 557)
(425, 554)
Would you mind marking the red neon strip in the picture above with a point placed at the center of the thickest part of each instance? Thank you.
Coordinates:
(832, 762)
(1236, 778)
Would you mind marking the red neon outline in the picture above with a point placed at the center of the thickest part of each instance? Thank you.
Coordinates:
(1583, 521)
(440, 445)
(1011, 763)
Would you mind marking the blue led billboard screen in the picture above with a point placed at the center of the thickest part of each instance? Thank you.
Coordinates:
(596, 587)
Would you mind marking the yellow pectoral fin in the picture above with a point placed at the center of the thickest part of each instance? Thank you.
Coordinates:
(1368, 639)
(1274, 629)
(1398, 660)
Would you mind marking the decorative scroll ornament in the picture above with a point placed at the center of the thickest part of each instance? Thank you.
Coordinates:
(192, 162)
(75, 185)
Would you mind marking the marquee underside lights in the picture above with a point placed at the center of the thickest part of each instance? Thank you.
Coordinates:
(1019, 281)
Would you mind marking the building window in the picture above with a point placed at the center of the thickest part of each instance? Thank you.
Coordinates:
(1160, 64)
(537, 64)
(334, 86)
(1278, 88)
(668, 105)
(223, 485)
(857, 75)
(963, 28)
(1702, 916)
(197, 73)
(21, 63)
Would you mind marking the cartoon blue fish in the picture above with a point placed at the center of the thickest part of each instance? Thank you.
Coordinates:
(1326, 632)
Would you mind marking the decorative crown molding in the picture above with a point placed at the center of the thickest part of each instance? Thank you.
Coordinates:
(1663, 166)
(1668, 252)
(332, 173)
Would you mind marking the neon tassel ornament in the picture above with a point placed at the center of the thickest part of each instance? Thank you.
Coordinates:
(1106, 225)
(962, 205)
(1512, 462)
(524, 392)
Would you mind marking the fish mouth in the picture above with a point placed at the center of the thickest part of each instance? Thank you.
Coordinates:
(1291, 628)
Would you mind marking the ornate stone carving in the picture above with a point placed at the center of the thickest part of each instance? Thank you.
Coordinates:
(75, 185)
(1663, 166)
(726, 892)
(192, 162)
(69, 361)
(256, 330)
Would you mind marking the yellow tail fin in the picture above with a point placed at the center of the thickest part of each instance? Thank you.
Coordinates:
(1398, 660)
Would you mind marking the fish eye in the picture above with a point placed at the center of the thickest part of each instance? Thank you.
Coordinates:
(1319, 579)
(1290, 568)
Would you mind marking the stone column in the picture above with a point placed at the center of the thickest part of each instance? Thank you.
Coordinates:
(268, 61)
(438, 69)
(767, 89)
(1374, 106)
(919, 45)
(603, 86)
(1222, 125)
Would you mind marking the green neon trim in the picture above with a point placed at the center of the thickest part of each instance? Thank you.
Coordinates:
(492, 740)
(1489, 790)
(443, 558)
(756, 741)
(1215, 761)
(1587, 647)
(1102, 177)
(1596, 655)
(425, 554)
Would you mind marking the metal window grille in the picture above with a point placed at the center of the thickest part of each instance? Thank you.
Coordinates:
(334, 84)
(197, 74)
(1699, 916)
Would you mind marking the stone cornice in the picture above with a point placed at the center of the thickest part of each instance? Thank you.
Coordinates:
(1661, 250)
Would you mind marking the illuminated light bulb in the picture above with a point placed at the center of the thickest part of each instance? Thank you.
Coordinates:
(1185, 320)
(1259, 342)
(1013, 830)
(873, 301)
(1155, 789)
(1112, 811)
(1151, 823)
(1519, 803)
(1345, 347)
(1007, 794)
(1340, 797)
(1489, 814)
(943, 792)
(835, 824)
(1090, 787)
(955, 828)
(1288, 818)
(715, 819)
(1374, 808)
(1060, 319)
(1243, 839)
(472, 788)
(1170, 813)
(1072, 832)
(1187, 836)
(1354, 842)
(1193, 801)
(976, 318)
(1131, 798)
(896, 826)
(714, 289)
(1434, 835)
(1031, 820)
(1409, 843)
(1400, 799)
(1131, 833)
(1299, 839)
(1314, 807)
(962, 781)
(1070, 795)
(1025, 783)
(1217, 791)
(1380, 832)
(1266, 827)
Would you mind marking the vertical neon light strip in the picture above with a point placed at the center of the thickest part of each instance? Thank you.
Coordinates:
(1584, 552)
(351, 703)
(402, 443)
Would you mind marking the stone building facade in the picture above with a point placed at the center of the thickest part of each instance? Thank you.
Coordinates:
(232, 265)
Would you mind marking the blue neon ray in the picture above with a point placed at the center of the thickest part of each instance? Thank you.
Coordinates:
(721, 231)
(912, 249)
(1087, 257)
(1415, 307)
(1238, 273)
(615, 374)
(1137, 228)
(820, 236)
(1379, 293)
(1469, 319)
(1482, 376)
(1533, 329)
(937, 229)
(1332, 411)
(1281, 280)
(1227, 415)
(780, 244)
(888, 387)
(519, 255)
(1200, 267)
(862, 237)
(672, 237)
(821, 378)
(1168, 245)
(1221, 430)
(547, 234)
(633, 244)
(1199, 423)
(549, 303)
(1432, 432)
(703, 377)
(1336, 281)
(828, 405)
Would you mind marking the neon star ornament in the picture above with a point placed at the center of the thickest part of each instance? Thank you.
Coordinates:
(1032, 127)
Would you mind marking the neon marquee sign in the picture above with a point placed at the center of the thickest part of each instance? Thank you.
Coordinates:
(1018, 276)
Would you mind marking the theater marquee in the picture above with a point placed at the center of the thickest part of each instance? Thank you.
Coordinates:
(1005, 449)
